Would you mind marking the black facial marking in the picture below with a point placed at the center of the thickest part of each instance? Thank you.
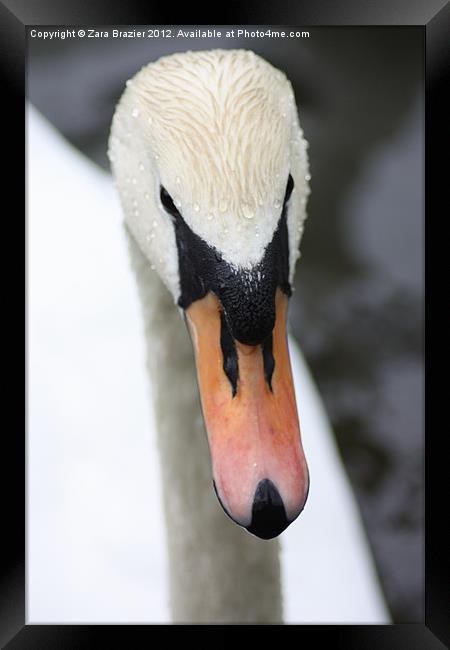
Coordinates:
(230, 359)
(168, 203)
(269, 361)
(289, 188)
(247, 296)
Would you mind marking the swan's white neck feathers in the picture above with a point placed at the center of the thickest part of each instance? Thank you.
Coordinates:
(220, 131)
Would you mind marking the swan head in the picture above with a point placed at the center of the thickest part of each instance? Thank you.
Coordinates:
(212, 171)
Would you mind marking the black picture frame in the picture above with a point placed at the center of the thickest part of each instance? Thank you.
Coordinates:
(434, 18)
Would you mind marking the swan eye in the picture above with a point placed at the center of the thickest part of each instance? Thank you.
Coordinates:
(168, 203)
(289, 188)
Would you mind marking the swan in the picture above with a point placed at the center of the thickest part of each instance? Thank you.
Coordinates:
(211, 167)
(217, 571)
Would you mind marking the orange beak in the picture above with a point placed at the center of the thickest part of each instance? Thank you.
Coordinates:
(259, 468)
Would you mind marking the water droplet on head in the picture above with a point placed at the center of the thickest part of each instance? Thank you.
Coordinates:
(277, 203)
(150, 119)
(209, 216)
(177, 203)
(135, 112)
(155, 223)
(248, 211)
(196, 207)
(146, 196)
(177, 180)
(133, 180)
(141, 166)
(307, 177)
(152, 266)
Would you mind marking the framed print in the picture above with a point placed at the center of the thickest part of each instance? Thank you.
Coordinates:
(173, 176)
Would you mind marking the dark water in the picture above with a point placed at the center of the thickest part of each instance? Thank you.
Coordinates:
(358, 306)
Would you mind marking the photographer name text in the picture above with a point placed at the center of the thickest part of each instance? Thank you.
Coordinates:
(61, 34)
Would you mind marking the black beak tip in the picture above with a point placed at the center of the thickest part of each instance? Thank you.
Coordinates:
(268, 512)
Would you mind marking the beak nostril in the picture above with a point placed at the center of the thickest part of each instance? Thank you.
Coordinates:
(268, 512)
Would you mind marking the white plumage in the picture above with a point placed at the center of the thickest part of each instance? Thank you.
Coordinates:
(220, 131)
